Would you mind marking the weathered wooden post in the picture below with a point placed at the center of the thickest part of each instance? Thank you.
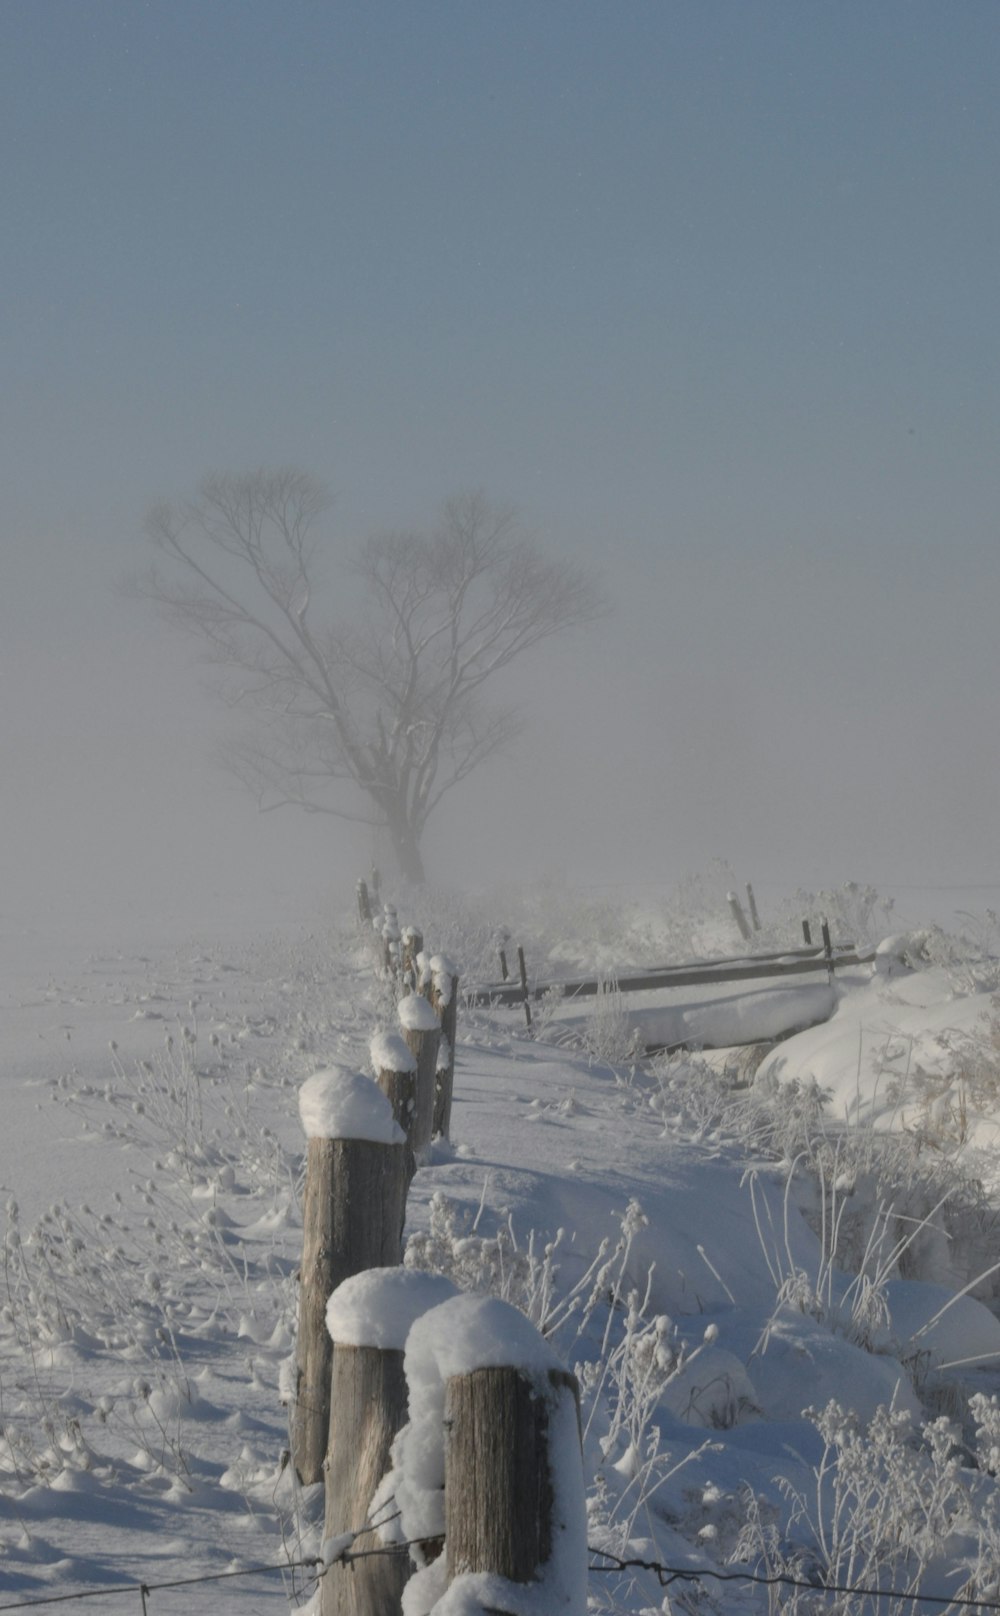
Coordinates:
(422, 1032)
(752, 903)
(413, 945)
(807, 933)
(364, 904)
(395, 1068)
(827, 948)
(494, 1416)
(525, 995)
(368, 1318)
(736, 910)
(390, 939)
(504, 971)
(444, 999)
(358, 1169)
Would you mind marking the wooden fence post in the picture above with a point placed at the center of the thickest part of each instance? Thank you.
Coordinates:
(364, 905)
(444, 999)
(807, 933)
(390, 939)
(499, 1493)
(413, 945)
(827, 948)
(736, 910)
(395, 1068)
(422, 1032)
(368, 1318)
(525, 996)
(752, 903)
(358, 1170)
(491, 1458)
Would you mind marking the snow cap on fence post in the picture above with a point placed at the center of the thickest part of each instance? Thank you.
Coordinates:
(338, 1103)
(490, 1459)
(358, 1171)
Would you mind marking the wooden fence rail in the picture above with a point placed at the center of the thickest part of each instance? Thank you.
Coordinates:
(701, 973)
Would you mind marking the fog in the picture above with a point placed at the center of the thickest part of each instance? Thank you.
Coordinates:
(707, 292)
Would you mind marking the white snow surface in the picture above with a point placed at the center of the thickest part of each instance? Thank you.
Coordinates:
(152, 1229)
(377, 1308)
(416, 1013)
(388, 1052)
(339, 1103)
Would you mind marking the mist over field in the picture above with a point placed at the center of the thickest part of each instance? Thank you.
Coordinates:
(707, 294)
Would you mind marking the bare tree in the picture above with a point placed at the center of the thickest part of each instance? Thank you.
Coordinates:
(373, 715)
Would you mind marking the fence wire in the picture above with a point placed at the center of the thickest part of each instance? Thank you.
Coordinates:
(665, 1574)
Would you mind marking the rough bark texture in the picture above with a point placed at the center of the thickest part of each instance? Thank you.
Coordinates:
(444, 1083)
(367, 1408)
(353, 1213)
(498, 1486)
(424, 1047)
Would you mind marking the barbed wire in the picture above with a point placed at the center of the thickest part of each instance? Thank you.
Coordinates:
(665, 1574)
(669, 1574)
(346, 1556)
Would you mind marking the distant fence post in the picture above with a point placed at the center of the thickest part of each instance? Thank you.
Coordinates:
(358, 1169)
(827, 948)
(413, 945)
(395, 1068)
(368, 1318)
(364, 904)
(807, 933)
(422, 1033)
(444, 999)
(736, 910)
(390, 939)
(525, 996)
(752, 904)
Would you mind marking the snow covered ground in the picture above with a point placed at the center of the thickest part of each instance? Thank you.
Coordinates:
(150, 1164)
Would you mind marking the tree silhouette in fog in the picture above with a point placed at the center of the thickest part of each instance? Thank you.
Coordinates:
(371, 709)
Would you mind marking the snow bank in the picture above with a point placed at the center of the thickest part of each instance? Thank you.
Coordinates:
(747, 1018)
(339, 1103)
(378, 1308)
(390, 1053)
(416, 1014)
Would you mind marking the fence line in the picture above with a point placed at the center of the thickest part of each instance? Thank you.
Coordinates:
(702, 973)
(665, 1574)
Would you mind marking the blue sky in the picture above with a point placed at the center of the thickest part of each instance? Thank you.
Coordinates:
(707, 290)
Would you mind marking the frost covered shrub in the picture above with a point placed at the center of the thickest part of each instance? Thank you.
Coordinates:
(889, 1509)
(970, 956)
(855, 912)
(608, 1035)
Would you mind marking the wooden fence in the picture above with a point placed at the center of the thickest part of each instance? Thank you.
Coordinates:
(508, 1498)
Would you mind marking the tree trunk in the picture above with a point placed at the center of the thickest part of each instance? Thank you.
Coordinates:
(405, 846)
